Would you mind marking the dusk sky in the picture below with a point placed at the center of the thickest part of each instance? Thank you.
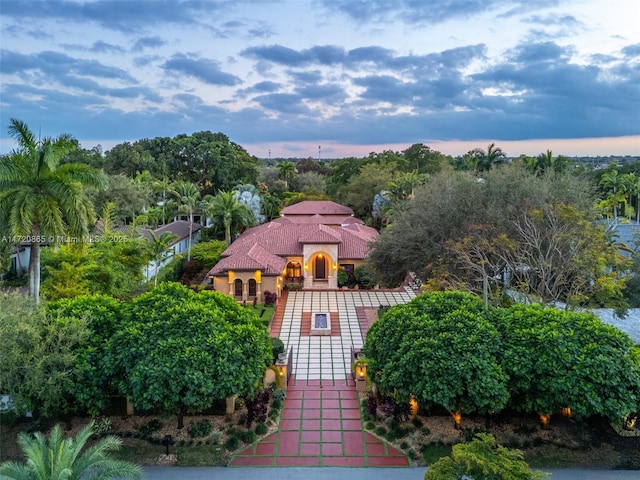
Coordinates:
(350, 76)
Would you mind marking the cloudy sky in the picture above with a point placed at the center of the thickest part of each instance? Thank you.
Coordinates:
(349, 76)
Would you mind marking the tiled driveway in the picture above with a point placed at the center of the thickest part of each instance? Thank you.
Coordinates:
(320, 424)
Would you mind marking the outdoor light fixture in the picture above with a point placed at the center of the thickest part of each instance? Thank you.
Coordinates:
(166, 441)
(361, 371)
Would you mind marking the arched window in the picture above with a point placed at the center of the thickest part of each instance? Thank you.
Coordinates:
(294, 270)
(321, 267)
(237, 284)
(252, 287)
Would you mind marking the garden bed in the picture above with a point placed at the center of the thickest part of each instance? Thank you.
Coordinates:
(566, 443)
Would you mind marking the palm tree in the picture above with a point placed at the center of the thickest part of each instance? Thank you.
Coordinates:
(159, 247)
(225, 209)
(485, 160)
(613, 184)
(188, 196)
(631, 186)
(41, 199)
(286, 172)
(61, 459)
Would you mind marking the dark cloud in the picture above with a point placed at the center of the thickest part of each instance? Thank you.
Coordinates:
(56, 64)
(283, 102)
(423, 12)
(205, 70)
(130, 16)
(147, 42)
(104, 47)
(316, 92)
(310, 77)
(631, 51)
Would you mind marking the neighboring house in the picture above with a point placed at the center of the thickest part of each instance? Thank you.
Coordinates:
(305, 247)
(179, 228)
(19, 260)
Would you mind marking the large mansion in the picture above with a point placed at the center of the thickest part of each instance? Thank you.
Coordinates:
(305, 247)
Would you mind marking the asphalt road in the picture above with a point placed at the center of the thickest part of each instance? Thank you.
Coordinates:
(330, 473)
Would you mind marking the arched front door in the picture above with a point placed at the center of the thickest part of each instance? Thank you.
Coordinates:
(321, 267)
(237, 287)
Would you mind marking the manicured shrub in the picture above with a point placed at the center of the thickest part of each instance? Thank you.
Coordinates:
(232, 443)
(248, 437)
(270, 298)
(261, 429)
(200, 429)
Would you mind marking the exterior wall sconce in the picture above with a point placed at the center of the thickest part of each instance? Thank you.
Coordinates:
(335, 266)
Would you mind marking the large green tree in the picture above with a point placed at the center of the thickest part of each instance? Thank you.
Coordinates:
(41, 199)
(38, 356)
(59, 458)
(442, 350)
(556, 359)
(453, 230)
(93, 377)
(182, 350)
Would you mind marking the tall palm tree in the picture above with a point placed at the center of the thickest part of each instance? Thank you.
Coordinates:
(225, 209)
(188, 196)
(286, 172)
(62, 458)
(613, 183)
(631, 187)
(159, 246)
(41, 199)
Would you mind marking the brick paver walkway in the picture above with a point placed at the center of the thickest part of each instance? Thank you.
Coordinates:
(320, 423)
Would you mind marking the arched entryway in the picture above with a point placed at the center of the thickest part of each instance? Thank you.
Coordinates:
(237, 288)
(253, 287)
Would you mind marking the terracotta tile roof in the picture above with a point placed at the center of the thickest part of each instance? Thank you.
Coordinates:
(267, 246)
(313, 207)
(322, 234)
(322, 219)
(252, 258)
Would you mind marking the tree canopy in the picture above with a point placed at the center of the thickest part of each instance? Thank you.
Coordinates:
(515, 229)
(179, 349)
(448, 349)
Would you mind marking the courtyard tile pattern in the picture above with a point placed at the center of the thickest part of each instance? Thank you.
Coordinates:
(320, 423)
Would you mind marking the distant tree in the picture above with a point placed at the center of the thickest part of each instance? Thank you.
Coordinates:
(310, 165)
(159, 250)
(363, 187)
(421, 159)
(286, 172)
(130, 198)
(482, 160)
(61, 458)
(341, 172)
(614, 187)
(128, 159)
(226, 210)
(482, 459)
(188, 196)
(39, 198)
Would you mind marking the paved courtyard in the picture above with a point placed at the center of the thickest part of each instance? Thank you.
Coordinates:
(320, 423)
(328, 357)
